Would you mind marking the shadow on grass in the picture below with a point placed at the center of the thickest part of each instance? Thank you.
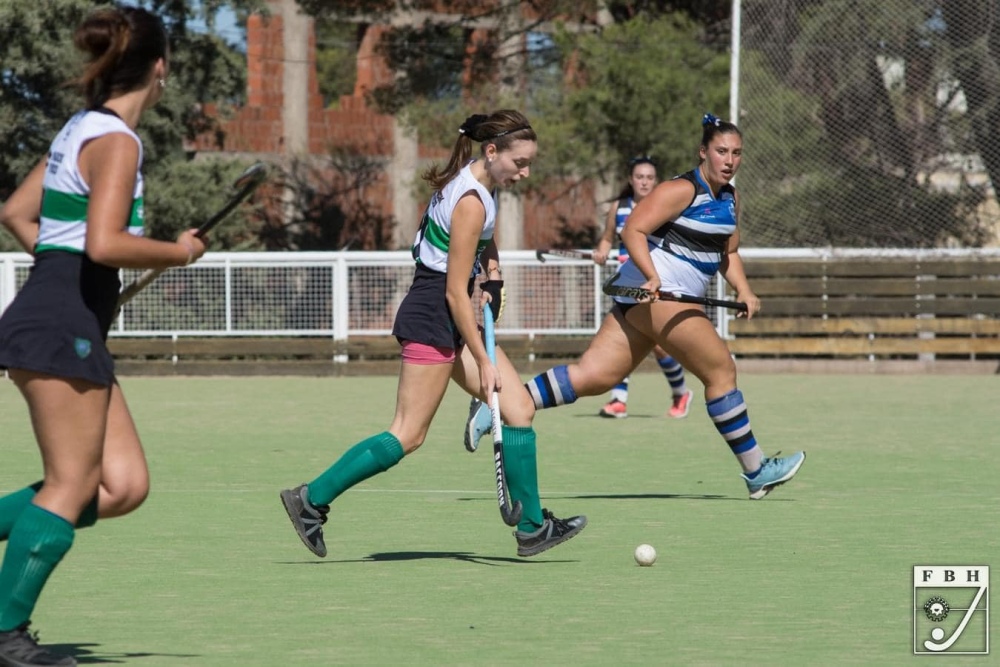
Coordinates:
(637, 496)
(668, 496)
(90, 654)
(631, 415)
(461, 556)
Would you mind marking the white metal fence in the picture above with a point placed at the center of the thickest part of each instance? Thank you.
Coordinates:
(343, 294)
(338, 294)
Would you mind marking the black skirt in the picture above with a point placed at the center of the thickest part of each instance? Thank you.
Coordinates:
(59, 321)
(424, 316)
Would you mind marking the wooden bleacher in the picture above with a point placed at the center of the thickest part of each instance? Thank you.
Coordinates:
(872, 308)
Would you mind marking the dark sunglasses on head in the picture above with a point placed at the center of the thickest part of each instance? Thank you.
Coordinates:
(641, 159)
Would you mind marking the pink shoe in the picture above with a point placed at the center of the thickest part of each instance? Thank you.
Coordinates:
(615, 409)
(681, 406)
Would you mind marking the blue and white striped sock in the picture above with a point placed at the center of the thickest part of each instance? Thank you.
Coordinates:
(551, 388)
(729, 414)
(674, 372)
(620, 391)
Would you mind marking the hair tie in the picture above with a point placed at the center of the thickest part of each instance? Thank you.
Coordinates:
(709, 119)
(471, 123)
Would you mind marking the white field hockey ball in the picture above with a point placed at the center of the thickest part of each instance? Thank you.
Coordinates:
(645, 555)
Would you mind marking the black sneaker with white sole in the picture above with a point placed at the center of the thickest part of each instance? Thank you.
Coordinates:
(307, 518)
(19, 648)
(554, 531)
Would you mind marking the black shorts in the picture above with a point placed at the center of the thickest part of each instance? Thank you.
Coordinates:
(424, 316)
(58, 323)
(623, 307)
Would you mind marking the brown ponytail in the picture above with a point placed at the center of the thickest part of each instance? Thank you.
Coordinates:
(121, 45)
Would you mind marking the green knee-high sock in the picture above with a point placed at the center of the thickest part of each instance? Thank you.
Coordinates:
(13, 504)
(522, 475)
(365, 459)
(38, 541)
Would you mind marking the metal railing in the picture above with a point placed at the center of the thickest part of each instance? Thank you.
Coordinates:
(343, 294)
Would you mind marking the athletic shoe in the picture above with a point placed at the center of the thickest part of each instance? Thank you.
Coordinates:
(773, 472)
(19, 648)
(307, 518)
(478, 424)
(615, 409)
(554, 531)
(681, 406)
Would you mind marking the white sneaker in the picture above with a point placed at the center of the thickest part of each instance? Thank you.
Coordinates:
(478, 424)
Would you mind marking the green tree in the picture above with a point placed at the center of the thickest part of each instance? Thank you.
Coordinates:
(336, 58)
(838, 146)
(37, 60)
(644, 86)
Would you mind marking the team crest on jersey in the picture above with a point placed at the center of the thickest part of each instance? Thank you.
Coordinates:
(82, 347)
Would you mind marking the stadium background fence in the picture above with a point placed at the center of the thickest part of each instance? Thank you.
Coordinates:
(345, 294)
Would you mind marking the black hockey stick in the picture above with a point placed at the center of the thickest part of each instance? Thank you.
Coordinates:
(511, 513)
(243, 187)
(611, 289)
(540, 255)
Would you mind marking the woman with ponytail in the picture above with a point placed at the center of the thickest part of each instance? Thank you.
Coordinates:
(678, 237)
(439, 337)
(79, 212)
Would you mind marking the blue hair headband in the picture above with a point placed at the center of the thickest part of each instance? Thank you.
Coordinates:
(709, 119)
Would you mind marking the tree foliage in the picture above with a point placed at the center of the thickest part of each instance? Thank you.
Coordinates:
(642, 90)
(38, 60)
(336, 58)
(851, 106)
(329, 205)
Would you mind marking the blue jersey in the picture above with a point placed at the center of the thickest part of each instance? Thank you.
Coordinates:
(698, 236)
(624, 210)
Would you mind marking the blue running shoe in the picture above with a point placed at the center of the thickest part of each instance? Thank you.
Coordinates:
(773, 472)
(479, 423)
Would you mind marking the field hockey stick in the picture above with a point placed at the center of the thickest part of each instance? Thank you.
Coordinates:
(640, 293)
(243, 187)
(511, 513)
(540, 255)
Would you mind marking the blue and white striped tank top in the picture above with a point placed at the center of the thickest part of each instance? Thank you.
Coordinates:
(698, 236)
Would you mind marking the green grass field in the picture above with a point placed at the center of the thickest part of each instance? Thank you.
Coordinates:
(901, 470)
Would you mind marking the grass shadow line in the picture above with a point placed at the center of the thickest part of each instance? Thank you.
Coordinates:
(406, 556)
(90, 654)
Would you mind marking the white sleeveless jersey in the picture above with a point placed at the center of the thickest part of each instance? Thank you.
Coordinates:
(65, 194)
(434, 235)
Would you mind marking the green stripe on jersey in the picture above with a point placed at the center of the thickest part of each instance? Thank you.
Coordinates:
(436, 236)
(137, 217)
(52, 246)
(64, 207)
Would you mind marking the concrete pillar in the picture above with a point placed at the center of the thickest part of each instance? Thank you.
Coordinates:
(403, 169)
(295, 81)
(510, 217)
(510, 221)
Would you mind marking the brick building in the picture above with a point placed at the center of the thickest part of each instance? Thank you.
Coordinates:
(284, 117)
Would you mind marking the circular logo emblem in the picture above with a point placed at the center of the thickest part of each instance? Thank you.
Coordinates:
(936, 609)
